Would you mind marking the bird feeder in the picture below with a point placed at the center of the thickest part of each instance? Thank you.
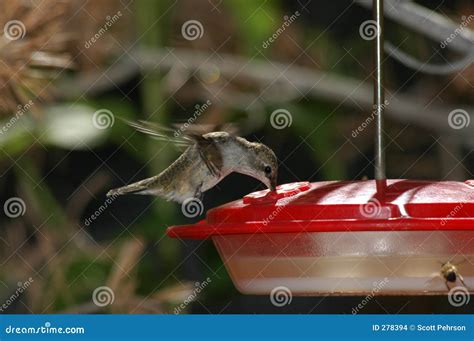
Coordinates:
(379, 236)
(344, 237)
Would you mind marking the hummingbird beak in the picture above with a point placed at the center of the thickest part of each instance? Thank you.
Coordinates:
(269, 182)
(273, 184)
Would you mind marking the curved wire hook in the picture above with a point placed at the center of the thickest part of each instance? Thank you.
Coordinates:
(434, 69)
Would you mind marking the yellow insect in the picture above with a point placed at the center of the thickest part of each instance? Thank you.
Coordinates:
(451, 274)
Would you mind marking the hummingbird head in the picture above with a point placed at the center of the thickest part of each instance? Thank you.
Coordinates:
(265, 165)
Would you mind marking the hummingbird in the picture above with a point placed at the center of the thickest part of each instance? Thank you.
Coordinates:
(208, 159)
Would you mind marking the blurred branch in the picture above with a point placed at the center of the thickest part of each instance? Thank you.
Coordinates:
(121, 279)
(127, 258)
(427, 22)
(424, 112)
(81, 198)
(435, 69)
(433, 25)
(348, 91)
(92, 83)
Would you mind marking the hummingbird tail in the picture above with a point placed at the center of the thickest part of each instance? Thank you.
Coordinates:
(140, 187)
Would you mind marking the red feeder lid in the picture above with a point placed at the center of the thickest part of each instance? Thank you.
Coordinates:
(331, 206)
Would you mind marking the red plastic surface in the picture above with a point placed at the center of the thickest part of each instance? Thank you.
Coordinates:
(283, 191)
(340, 206)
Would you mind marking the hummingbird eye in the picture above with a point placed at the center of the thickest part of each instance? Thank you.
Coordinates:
(268, 170)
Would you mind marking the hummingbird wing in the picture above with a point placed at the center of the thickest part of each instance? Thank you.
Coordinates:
(197, 129)
(210, 154)
(185, 136)
(161, 133)
(208, 150)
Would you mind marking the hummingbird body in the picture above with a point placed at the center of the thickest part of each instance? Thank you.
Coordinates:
(207, 160)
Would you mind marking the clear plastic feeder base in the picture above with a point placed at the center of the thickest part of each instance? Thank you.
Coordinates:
(347, 238)
(345, 263)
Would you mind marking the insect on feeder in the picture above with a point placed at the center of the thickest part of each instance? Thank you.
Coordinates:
(385, 237)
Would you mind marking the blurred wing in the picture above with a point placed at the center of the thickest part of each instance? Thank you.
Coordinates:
(204, 128)
(184, 137)
(161, 133)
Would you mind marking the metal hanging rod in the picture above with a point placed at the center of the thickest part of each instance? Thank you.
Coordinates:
(379, 91)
